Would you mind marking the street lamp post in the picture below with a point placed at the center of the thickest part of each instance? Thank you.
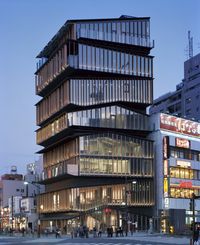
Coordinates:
(126, 203)
(39, 222)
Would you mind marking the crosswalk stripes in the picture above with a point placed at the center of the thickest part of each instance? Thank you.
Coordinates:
(92, 243)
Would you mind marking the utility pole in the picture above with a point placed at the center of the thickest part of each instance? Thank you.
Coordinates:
(12, 214)
(193, 216)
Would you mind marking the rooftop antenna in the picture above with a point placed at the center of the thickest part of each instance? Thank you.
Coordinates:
(190, 41)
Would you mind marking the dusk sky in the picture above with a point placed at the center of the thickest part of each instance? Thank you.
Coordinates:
(27, 26)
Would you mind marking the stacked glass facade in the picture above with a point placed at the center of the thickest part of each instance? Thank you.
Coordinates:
(96, 80)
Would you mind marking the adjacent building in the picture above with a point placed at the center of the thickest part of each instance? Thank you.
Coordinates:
(185, 101)
(95, 79)
(177, 171)
(18, 199)
(11, 185)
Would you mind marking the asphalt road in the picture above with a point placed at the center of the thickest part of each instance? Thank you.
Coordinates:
(76, 241)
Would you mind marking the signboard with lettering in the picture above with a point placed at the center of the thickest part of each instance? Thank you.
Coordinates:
(184, 184)
(179, 142)
(183, 164)
(165, 187)
(166, 147)
(179, 125)
(165, 168)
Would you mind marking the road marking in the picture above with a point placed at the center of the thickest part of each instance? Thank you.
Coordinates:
(102, 243)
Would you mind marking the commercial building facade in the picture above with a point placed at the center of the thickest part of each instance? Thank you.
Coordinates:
(18, 199)
(95, 78)
(177, 159)
(185, 101)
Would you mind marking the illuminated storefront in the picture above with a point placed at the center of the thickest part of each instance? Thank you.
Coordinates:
(177, 143)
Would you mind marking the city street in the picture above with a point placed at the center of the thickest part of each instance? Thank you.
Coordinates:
(136, 239)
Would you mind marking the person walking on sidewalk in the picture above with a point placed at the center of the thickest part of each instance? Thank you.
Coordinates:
(57, 233)
(196, 235)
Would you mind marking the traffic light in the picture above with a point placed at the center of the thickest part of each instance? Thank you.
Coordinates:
(171, 229)
(163, 225)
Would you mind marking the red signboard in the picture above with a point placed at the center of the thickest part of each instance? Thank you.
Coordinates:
(182, 143)
(185, 184)
(179, 125)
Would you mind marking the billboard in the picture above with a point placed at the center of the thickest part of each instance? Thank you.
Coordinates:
(179, 125)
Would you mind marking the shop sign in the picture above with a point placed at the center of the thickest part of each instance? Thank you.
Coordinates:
(165, 168)
(183, 164)
(166, 202)
(184, 184)
(179, 125)
(165, 187)
(179, 142)
(166, 147)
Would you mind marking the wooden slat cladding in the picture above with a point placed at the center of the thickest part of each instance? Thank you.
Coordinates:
(61, 153)
(53, 103)
(51, 129)
(83, 199)
(51, 69)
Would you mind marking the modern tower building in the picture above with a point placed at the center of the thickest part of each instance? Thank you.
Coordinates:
(185, 101)
(95, 78)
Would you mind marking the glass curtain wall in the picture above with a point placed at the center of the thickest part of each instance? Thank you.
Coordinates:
(134, 32)
(110, 154)
(106, 117)
(91, 92)
(103, 154)
(107, 60)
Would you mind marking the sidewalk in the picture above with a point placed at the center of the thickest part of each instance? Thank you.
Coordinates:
(156, 237)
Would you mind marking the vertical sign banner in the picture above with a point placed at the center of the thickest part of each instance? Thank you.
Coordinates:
(166, 155)
(165, 168)
(165, 187)
(166, 147)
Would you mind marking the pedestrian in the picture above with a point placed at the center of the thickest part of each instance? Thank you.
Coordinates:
(111, 231)
(57, 233)
(72, 233)
(108, 232)
(94, 232)
(100, 232)
(121, 231)
(196, 235)
(65, 229)
(23, 231)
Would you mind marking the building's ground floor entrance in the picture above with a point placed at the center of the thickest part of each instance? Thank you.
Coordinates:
(126, 219)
